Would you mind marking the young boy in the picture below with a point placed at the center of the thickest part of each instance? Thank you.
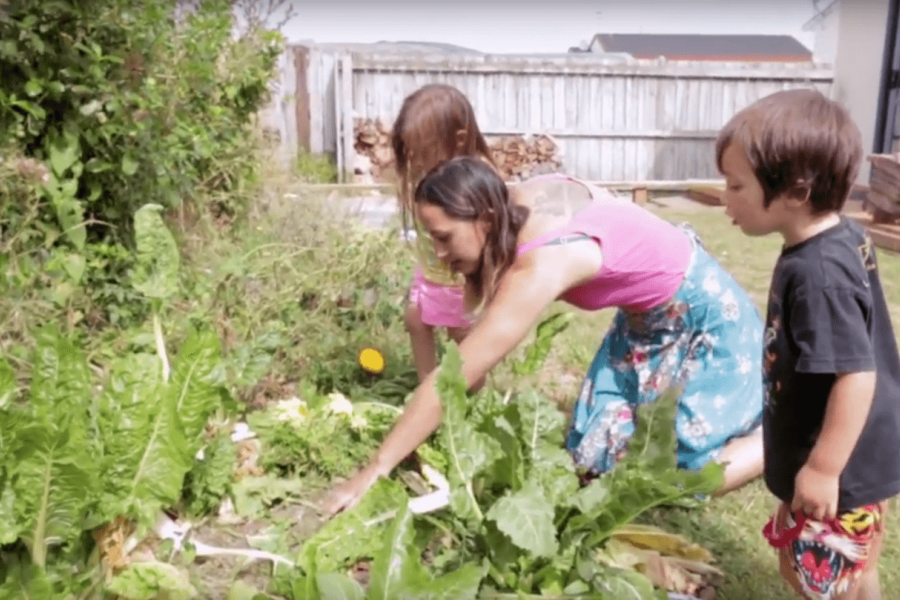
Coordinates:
(831, 368)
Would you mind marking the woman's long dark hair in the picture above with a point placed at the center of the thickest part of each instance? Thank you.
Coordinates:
(466, 187)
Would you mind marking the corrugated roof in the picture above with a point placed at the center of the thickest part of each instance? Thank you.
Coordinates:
(721, 47)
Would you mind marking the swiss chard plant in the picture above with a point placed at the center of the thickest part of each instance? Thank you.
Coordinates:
(77, 455)
(519, 524)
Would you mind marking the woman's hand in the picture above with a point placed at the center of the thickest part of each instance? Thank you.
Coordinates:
(346, 495)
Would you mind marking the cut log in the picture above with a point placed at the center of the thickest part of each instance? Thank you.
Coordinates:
(517, 157)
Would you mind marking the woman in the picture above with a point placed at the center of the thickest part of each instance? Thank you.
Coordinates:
(682, 320)
(436, 123)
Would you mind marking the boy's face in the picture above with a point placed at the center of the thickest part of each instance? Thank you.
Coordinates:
(744, 197)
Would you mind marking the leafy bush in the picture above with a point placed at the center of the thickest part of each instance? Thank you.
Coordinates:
(127, 106)
(105, 106)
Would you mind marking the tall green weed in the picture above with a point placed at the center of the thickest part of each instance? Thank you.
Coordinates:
(106, 106)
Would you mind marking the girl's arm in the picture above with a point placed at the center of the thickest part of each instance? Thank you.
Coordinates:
(526, 290)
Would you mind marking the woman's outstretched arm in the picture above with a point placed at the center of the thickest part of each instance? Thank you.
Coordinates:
(524, 293)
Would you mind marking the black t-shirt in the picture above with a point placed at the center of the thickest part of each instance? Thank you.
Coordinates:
(827, 315)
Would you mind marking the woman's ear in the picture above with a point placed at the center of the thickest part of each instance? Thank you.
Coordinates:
(461, 135)
(484, 222)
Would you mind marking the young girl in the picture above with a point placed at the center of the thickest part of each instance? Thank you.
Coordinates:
(682, 320)
(435, 124)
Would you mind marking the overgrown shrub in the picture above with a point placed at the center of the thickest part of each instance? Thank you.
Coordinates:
(108, 105)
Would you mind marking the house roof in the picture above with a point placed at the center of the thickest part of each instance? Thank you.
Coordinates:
(759, 48)
(402, 47)
(449, 48)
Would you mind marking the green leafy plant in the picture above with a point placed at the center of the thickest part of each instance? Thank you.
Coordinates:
(315, 168)
(76, 457)
(518, 522)
(211, 477)
(319, 437)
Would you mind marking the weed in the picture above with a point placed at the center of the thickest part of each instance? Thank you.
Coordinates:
(315, 168)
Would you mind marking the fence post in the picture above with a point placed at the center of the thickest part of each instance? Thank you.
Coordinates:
(338, 120)
(301, 96)
(343, 117)
(347, 115)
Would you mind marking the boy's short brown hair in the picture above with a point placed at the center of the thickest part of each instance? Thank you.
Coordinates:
(799, 143)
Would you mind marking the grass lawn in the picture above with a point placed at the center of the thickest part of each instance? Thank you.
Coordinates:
(730, 526)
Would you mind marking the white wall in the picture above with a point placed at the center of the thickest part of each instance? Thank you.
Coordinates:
(825, 40)
(857, 69)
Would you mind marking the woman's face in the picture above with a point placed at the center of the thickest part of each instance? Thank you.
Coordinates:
(458, 243)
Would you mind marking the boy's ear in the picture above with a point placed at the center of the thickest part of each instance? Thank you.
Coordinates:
(798, 195)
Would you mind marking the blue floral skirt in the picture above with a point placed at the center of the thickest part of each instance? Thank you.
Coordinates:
(707, 339)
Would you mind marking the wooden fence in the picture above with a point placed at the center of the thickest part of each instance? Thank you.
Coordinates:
(615, 119)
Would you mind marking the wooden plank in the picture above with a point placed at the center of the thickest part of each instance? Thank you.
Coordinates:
(883, 235)
(338, 122)
(347, 115)
(316, 109)
(709, 195)
(682, 185)
(859, 191)
(301, 98)
(327, 82)
(535, 103)
(618, 144)
(639, 195)
(559, 102)
(634, 89)
(569, 65)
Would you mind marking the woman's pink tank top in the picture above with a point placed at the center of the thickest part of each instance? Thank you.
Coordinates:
(644, 256)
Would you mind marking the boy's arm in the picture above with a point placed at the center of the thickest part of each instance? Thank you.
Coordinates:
(817, 484)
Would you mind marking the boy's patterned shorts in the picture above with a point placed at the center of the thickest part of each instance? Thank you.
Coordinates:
(822, 559)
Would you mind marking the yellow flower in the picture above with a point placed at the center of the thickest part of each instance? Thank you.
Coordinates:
(371, 360)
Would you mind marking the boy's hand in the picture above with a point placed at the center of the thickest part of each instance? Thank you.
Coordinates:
(816, 493)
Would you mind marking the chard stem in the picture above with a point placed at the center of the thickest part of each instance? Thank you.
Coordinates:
(160, 345)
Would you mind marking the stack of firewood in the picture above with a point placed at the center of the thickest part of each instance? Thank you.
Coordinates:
(518, 157)
(521, 157)
(884, 187)
(374, 156)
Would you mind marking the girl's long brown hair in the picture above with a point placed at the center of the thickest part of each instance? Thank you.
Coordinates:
(436, 123)
(467, 188)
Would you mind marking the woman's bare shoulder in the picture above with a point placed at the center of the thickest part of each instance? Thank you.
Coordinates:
(560, 265)
(552, 196)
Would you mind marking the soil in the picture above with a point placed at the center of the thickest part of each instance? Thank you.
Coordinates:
(215, 575)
